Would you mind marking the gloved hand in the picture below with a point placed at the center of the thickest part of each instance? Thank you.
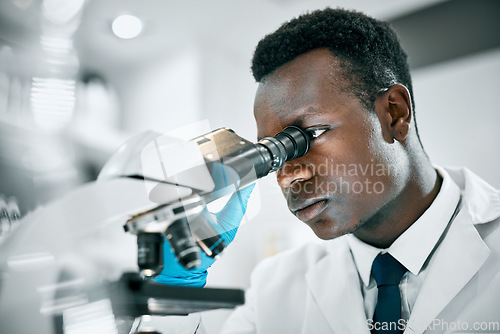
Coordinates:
(226, 223)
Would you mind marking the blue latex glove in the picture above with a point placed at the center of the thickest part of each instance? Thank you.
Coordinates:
(226, 223)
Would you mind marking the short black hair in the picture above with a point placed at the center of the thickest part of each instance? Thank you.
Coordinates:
(368, 49)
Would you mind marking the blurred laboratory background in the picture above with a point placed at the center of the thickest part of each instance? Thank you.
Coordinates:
(80, 77)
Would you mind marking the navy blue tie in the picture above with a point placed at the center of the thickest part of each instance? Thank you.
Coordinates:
(387, 272)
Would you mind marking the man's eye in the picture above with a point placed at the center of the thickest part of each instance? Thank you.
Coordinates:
(317, 130)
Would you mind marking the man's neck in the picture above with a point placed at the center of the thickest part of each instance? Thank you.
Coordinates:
(397, 216)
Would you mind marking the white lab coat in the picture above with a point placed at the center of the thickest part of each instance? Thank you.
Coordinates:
(316, 289)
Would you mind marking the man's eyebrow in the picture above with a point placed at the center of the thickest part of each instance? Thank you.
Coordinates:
(299, 122)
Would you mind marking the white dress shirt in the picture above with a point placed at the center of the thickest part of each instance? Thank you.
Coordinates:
(412, 249)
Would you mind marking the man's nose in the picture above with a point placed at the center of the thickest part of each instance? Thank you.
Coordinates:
(292, 172)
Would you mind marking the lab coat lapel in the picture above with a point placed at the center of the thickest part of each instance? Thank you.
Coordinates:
(335, 287)
(456, 260)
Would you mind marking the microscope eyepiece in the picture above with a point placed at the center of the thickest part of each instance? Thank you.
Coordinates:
(291, 143)
(295, 140)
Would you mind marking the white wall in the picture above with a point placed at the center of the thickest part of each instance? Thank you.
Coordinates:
(458, 113)
(163, 94)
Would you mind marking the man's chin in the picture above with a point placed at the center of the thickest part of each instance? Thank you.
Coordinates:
(328, 230)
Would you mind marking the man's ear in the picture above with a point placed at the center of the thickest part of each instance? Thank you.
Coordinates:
(394, 110)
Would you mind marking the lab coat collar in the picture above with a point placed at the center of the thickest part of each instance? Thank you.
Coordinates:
(480, 199)
(459, 256)
(461, 253)
(342, 305)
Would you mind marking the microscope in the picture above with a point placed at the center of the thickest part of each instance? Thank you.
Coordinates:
(232, 163)
(154, 188)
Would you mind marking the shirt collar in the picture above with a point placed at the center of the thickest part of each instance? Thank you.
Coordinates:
(364, 255)
(413, 247)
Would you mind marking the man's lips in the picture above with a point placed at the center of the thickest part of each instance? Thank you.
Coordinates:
(309, 209)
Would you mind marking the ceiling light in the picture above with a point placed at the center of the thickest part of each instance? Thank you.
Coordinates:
(127, 26)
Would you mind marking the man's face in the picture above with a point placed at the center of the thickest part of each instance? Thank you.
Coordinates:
(349, 174)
